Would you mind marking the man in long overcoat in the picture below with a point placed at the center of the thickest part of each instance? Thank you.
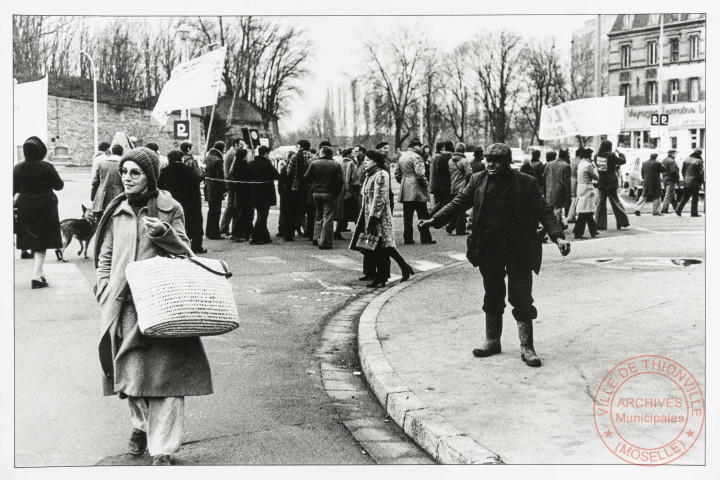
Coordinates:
(410, 173)
(507, 206)
(652, 186)
(106, 183)
(557, 185)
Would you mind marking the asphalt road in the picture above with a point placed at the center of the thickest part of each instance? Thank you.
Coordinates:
(268, 407)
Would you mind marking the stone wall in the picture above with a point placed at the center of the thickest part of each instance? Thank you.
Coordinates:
(70, 124)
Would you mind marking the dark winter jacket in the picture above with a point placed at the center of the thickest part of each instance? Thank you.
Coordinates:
(557, 183)
(537, 171)
(650, 172)
(672, 172)
(262, 195)
(529, 206)
(440, 174)
(177, 179)
(214, 170)
(607, 163)
(324, 175)
(693, 171)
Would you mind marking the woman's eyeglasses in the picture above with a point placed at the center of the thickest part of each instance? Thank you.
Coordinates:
(134, 173)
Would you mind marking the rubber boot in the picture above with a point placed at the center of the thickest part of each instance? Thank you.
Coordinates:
(527, 351)
(493, 331)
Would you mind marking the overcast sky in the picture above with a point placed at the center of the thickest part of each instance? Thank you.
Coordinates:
(339, 40)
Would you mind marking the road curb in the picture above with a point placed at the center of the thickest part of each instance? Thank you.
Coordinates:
(441, 440)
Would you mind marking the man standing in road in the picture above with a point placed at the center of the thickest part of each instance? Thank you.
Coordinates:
(537, 170)
(324, 178)
(652, 189)
(106, 183)
(693, 172)
(440, 180)
(507, 206)
(574, 163)
(230, 207)
(671, 178)
(557, 185)
(410, 173)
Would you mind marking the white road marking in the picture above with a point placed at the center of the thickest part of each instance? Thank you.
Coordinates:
(341, 261)
(424, 265)
(456, 255)
(327, 286)
(267, 260)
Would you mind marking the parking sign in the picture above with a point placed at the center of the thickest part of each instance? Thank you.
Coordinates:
(181, 129)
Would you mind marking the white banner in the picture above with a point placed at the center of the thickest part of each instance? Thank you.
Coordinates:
(586, 117)
(192, 84)
(30, 110)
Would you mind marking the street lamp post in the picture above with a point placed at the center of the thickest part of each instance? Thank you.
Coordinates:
(184, 33)
(95, 114)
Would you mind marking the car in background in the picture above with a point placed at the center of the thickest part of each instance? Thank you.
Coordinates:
(518, 157)
(630, 177)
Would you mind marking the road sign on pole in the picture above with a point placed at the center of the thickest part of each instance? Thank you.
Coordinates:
(181, 129)
(659, 119)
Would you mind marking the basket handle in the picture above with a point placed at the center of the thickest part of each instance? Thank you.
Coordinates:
(226, 273)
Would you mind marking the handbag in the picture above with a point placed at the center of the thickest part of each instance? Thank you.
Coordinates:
(183, 296)
(368, 242)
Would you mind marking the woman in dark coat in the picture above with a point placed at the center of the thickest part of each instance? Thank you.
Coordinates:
(262, 194)
(38, 224)
(178, 179)
(214, 189)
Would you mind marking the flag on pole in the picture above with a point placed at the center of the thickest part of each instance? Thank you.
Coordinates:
(192, 84)
(587, 117)
(30, 110)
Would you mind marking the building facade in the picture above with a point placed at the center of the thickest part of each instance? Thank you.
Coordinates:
(635, 73)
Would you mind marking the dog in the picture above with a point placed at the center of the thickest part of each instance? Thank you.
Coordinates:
(81, 228)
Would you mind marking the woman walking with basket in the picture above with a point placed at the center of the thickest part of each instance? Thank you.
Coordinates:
(154, 374)
(376, 219)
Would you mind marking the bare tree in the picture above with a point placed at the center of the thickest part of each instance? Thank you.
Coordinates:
(120, 65)
(432, 90)
(545, 81)
(582, 67)
(457, 103)
(395, 68)
(496, 66)
(41, 45)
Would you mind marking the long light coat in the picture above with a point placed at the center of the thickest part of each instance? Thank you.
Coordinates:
(137, 365)
(410, 172)
(586, 193)
(106, 183)
(376, 203)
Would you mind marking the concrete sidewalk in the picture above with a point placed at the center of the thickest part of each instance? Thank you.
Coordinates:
(612, 299)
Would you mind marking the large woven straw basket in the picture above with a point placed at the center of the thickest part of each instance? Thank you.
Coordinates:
(182, 297)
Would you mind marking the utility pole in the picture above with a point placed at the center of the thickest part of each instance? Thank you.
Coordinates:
(95, 114)
(661, 129)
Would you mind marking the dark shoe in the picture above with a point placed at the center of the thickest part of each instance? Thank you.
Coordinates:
(460, 234)
(620, 227)
(325, 247)
(579, 237)
(24, 254)
(593, 235)
(338, 236)
(288, 239)
(657, 214)
(637, 213)
(449, 230)
(237, 239)
(679, 214)
(664, 212)
(38, 284)
(411, 242)
(200, 251)
(365, 278)
(214, 237)
(697, 215)
(429, 242)
(527, 350)
(407, 272)
(493, 332)
(376, 284)
(315, 242)
(161, 461)
(138, 442)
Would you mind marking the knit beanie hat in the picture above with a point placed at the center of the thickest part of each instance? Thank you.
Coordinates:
(381, 145)
(34, 149)
(147, 160)
(498, 152)
(304, 144)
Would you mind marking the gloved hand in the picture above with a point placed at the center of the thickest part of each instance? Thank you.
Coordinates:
(426, 224)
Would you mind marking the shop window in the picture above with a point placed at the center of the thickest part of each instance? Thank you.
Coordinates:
(625, 140)
(674, 90)
(674, 49)
(625, 56)
(652, 53)
(694, 139)
(673, 142)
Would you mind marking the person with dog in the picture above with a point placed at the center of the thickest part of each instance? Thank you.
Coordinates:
(106, 183)
(38, 224)
(507, 207)
(178, 180)
(153, 374)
